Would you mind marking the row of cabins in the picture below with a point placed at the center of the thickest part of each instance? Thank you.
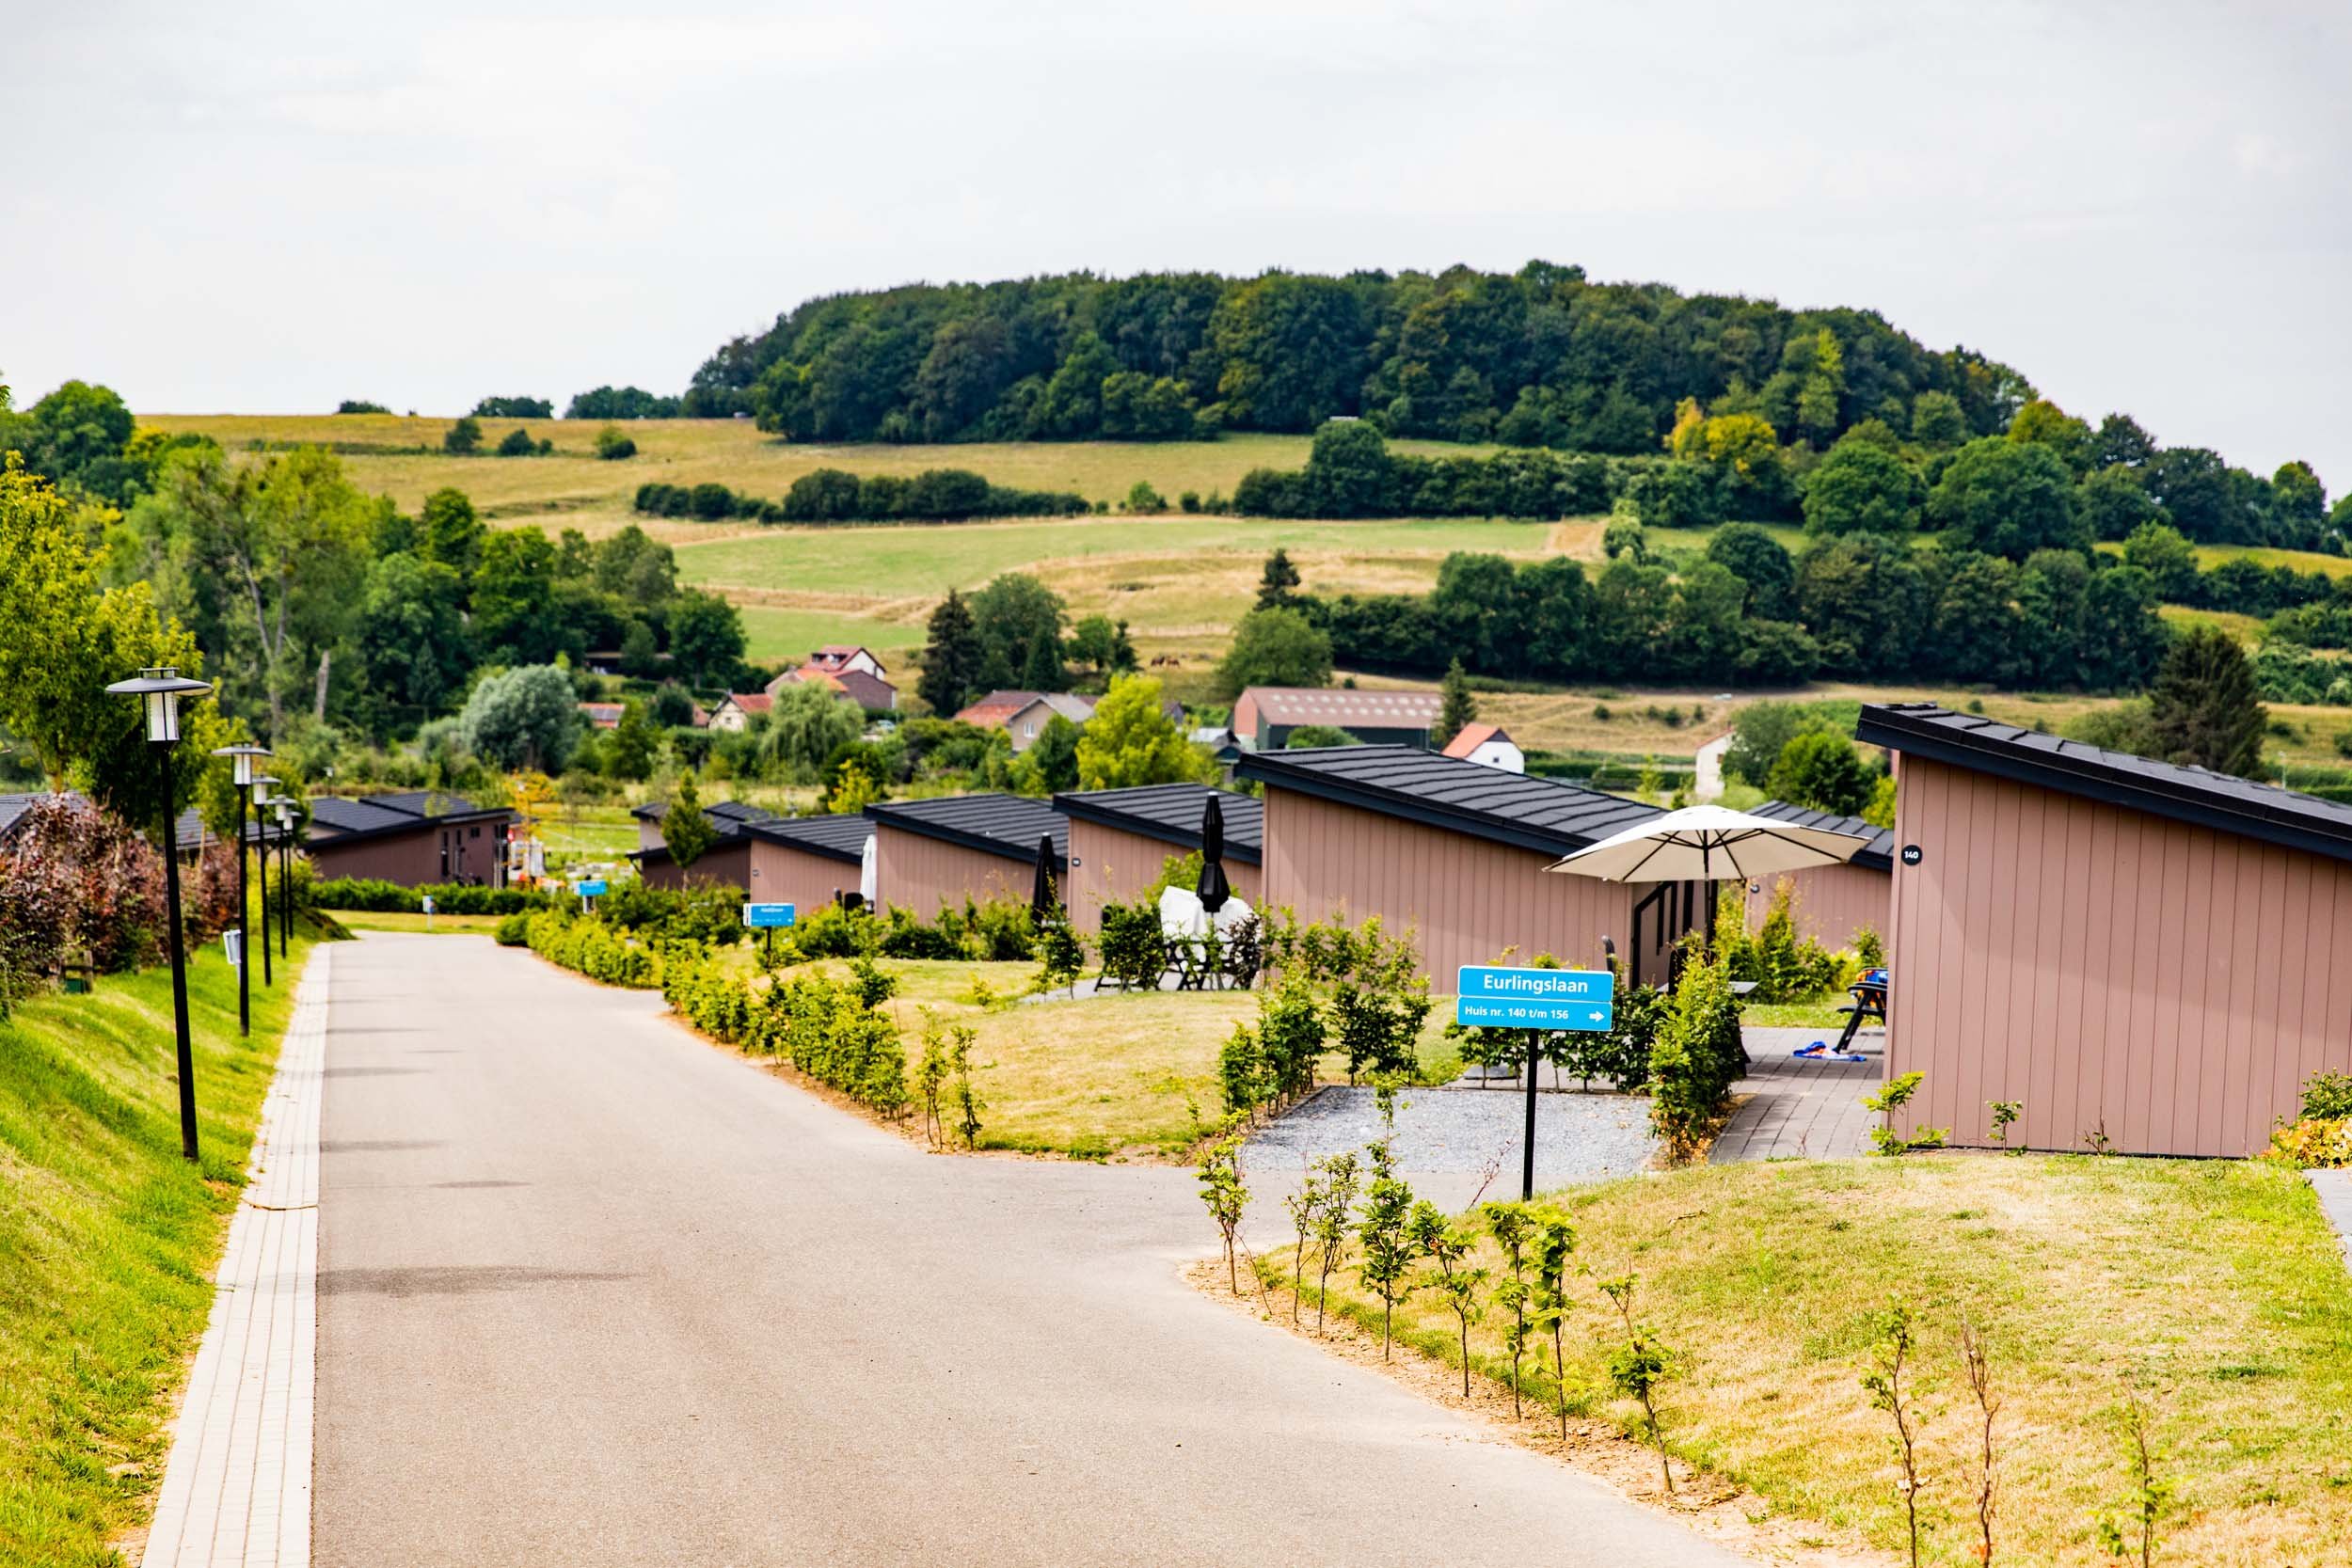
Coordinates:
(2135, 950)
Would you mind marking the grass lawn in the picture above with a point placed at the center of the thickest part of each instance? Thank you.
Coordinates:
(411, 920)
(585, 833)
(401, 457)
(1099, 1077)
(772, 633)
(2212, 1287)
(107, 1238)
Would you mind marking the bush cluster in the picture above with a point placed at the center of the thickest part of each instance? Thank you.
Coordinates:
(837, 496)
(1786, 964)
(1696, 1055)
(374, 895)
(831, 1030)
(591, 946)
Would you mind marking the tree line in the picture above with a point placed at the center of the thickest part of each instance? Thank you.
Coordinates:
(1540, 357)
(837, 496)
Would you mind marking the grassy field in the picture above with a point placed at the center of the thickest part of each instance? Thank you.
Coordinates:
(2213, 1290)
(107, 1238)
(412, 920)
(1101, 1077)
(774, 634)
(401, 456)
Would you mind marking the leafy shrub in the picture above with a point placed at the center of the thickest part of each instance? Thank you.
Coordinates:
(1696, 1055)
(594, 948)
(613, 447)
(112, 884)
(1135, 955)
(376, 896)
(514, 930)
(827, 1029)
(1786, 964)
(832, 932)
(2313, 1143)
(2327, 1096)
(517, 444)
(703, 911)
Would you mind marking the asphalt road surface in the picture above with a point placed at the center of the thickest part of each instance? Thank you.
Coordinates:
(592, 1291)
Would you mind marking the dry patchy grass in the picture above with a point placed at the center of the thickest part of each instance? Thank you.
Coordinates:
(2215, 1289)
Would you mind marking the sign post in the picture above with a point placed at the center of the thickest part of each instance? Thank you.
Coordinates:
(590, 889)
(768, 919)
(428, 912)
(1489, 997)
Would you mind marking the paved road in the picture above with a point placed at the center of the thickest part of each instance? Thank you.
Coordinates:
(592, 1292)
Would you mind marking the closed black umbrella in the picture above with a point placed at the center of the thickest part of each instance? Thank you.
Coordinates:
(1215, 889)
(1043, 900)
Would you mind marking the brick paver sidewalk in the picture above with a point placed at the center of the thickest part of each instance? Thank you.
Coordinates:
(1799, 1109)
(237, 1489)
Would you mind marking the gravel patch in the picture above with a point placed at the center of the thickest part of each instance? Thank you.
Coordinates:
(1579, 1138)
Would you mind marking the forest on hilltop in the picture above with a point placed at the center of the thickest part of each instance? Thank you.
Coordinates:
(1542, 356)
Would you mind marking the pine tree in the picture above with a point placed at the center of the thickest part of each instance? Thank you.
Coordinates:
(1458, 710)
(1043, 670)
(951, 658)
(1275, 587)
(685, 831)
(2203, 708)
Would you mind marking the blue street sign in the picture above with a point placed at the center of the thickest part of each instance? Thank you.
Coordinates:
(767, 917)
(1581, 999)
(594, 888)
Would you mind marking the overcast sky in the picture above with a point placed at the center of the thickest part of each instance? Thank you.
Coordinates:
(265, 208)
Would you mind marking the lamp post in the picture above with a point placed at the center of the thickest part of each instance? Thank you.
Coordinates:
(261, 859)
(159, 691)
(285, 871)
(241, 760)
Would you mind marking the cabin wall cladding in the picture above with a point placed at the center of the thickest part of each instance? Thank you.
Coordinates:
(728, 862)
(919, 875)
(1467, 899)
(1831, 904)
(1113, 866)
(2173, 984)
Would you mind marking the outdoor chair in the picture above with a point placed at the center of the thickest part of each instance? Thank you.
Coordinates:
(1869, 1001)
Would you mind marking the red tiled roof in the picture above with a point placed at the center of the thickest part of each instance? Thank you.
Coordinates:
(1471, 737)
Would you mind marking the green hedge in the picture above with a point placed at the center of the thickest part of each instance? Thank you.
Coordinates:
(592, 948)
(829, 1030)
(374, 894)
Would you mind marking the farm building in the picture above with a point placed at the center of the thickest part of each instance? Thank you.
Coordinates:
(804, 861)
(1458, 851)
(1264, 715)
(1831, 903)
(1121, 838)
(412, 837)
(2145, 955)
(931, 853)
(1489, 746)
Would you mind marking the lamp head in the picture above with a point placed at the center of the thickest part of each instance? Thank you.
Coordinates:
(159, 689)
(241, 759)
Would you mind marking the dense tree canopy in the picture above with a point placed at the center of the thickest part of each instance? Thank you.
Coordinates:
(1542, 356)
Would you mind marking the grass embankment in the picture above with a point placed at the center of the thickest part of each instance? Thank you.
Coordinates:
(2211, 1288)
(107, 1238)
(1099, 1077)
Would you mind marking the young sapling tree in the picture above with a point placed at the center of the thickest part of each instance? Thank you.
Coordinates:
(1556, 1243)
(1890, 1098)
(960, 1039)
(1448, 1245)
(930, 1077)
(1978, 1367)
(1304, 1205)
(2005, 1114)
(1890, 1360)
(2133, 1531)
(1388, 1251)
(1225, 1193)
(1637, 1368)
(1511, 1227)
(1331, 1221)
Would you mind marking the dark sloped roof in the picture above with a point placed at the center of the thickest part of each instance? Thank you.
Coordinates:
(1877, 855)
(727, 816)
(392, 812)
(1007, 825)
(1372, 708)
(1550, 815)
(13, 809)
(2184, 794)
(1171, 813)
(841, 838)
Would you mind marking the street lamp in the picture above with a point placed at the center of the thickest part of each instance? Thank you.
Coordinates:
(159, 691)
(260, 861)
(285, 870)
(241, 760)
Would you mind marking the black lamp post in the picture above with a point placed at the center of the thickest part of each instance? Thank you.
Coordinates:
(241, 759)
(159, 691)
(260, 862)
(285, 871)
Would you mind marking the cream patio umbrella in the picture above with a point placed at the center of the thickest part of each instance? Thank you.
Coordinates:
(1707, 844)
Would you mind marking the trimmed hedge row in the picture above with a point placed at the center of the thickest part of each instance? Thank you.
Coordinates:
(829, 1030)
(373, 894)
(588, 945)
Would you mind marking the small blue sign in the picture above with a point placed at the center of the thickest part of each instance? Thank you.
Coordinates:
(592, 889)
(767, 917)
(1581, 999)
